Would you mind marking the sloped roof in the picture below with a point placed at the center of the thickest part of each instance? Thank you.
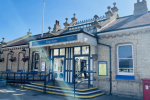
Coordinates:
(127, 22)
(19, 42)
(136, 20)
(45, 36)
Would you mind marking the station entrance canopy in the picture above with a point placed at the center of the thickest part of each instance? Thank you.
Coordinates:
(80, 38)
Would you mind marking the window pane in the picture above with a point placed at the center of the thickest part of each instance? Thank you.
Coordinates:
(55, 52)
(125, 51)
(126, 65)
(36, 56)
(36, 64)
(77, 50)
(85, 50)
(62, 51)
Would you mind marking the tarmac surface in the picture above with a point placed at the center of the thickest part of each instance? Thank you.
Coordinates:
(12, 92)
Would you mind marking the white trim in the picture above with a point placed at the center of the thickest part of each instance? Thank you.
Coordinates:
(123, 30)
(122, 73)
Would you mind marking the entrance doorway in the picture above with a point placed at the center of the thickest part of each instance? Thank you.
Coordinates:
(81, 65)
(59, 68)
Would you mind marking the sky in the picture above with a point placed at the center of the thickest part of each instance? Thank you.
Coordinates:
(17, 16)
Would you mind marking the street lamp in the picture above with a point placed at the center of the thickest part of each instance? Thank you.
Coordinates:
(25, 58)
(12, 59)
(11, 52)
(1, 59)
(1, 54)
(24, 52)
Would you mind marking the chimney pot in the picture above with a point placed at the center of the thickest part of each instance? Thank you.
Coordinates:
(56, 22)
(56, 26)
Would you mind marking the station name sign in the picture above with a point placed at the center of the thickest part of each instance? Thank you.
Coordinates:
(55, 40)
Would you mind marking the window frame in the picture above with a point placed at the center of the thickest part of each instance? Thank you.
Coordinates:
(34, 61)
(57, 52)
(88, 50)
(123, 73)
(80, 50)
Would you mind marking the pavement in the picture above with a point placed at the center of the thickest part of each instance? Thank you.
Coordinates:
(14, 92)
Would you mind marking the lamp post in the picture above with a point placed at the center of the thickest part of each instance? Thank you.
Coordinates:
(0, 54)
(1, 59)
(24, 53)
(11, 53)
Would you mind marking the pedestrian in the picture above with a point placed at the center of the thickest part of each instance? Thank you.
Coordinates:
(84, 70)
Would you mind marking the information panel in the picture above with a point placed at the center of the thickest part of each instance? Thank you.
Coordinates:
(102, 68)
(43, 64)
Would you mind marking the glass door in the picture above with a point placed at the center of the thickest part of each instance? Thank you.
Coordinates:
(59, 68)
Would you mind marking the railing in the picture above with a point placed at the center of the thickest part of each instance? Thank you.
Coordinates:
(82, 81)
(26, 77)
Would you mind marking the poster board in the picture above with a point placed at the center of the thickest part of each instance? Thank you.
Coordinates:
(43, 65)
(102, 68)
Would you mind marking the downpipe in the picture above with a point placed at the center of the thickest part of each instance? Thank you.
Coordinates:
(110, 62)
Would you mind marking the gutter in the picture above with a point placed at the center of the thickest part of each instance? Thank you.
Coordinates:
(110, 62)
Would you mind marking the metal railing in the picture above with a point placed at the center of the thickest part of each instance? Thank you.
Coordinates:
(83, 80)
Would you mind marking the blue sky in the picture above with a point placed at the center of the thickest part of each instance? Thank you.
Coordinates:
(17, 16)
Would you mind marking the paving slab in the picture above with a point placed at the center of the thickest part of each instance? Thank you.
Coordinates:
(14, 92)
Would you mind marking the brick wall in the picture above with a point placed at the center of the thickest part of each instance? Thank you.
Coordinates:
(141, 47)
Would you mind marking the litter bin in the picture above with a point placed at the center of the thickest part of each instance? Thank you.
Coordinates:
(146, 89)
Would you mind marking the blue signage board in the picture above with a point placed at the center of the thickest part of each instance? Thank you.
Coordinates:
(55, 40)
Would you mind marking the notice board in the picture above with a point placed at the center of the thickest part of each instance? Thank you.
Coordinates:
(102, 68)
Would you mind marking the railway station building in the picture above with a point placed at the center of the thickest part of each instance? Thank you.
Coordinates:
(116, 48)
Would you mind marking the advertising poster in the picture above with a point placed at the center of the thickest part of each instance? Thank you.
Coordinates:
(43, 64)
(47, 67)
(102, 68)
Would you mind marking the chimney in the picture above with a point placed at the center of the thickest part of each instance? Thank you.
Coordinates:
(56, 26)
(140, 7)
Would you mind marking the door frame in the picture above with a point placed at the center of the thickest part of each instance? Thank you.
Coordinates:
(64, 65)
(54, 65)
